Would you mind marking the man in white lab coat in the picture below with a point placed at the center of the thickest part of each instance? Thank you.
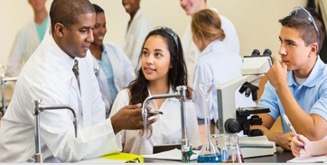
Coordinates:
(48, 76)
(28, 38)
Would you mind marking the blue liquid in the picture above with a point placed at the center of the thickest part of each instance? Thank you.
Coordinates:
(210, 158)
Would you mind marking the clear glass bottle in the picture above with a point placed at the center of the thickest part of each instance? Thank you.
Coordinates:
(221, 141)
(233, 153)
(234, 140)
(209, 152)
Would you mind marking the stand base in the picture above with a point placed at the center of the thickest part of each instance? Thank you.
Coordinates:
(256, 146)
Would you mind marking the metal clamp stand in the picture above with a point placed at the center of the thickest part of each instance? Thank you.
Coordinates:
(186, 148)
(3, 81)
(37, 111)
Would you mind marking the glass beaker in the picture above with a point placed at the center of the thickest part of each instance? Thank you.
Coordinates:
(209, 153)
(221, 141)
(234, 141)
(232, 152)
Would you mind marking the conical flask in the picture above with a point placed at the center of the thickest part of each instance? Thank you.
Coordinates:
(236, 156)
(209, 153)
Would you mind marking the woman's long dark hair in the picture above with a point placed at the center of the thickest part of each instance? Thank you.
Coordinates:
(177, 75)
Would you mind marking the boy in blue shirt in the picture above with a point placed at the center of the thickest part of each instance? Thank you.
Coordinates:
(297, 85)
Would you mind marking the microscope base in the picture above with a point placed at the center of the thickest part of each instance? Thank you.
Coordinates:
(256, 146)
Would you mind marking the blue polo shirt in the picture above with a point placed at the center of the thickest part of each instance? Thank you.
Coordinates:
(311, 95)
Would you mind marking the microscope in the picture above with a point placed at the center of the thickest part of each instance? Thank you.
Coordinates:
(232, 119)
(253, 68)
(245, 118)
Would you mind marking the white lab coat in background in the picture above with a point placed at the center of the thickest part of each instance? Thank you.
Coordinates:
(48, 75)
(218, 65)
(135, 36)
(26, 42)
(122, 68)
(167, 130)
(191, 51)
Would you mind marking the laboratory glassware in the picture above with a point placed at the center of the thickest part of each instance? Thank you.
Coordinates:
(209, 153)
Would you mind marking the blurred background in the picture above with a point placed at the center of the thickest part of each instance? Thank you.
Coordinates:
(256, 21)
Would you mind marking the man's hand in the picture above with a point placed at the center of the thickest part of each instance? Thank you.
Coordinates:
(129, 117)
(284, 140)
(277, 74)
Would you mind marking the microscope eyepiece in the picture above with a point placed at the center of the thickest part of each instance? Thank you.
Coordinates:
(255, 52)
(267, 52)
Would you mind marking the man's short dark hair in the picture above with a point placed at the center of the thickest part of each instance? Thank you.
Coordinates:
(310, 30)
(66, 12)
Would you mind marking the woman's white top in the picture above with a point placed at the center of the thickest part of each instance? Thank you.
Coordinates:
(167, 130)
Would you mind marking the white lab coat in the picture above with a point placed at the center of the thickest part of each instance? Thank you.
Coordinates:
(26, 42)
(167, 130)
(191, 51)
(135, 36)
(48, 75)
(218, 65)
(122, 68)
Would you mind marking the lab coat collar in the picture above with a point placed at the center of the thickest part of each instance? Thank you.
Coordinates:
(59, 52)
(315, 75)
(104, 54)
(134, 21)
(214, 45)
(138, 14)
(65, 59)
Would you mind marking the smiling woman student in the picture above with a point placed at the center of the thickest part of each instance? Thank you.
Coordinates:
(161, 60)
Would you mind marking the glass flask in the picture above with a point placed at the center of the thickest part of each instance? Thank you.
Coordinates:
(209, 152)
(234, 141)
(221, 141)
(231, 150)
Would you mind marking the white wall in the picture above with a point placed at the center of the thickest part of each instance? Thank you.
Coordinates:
(256, 21)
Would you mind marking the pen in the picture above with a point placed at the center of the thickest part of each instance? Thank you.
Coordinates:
(289, 124)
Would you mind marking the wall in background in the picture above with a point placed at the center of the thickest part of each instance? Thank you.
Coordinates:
(256, 21)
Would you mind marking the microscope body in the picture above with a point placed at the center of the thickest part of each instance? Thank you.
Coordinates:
(245, 118)
(253, 68)
(236, 119)
(226, 99)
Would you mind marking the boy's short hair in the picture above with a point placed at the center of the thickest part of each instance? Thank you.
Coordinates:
(308, 22)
